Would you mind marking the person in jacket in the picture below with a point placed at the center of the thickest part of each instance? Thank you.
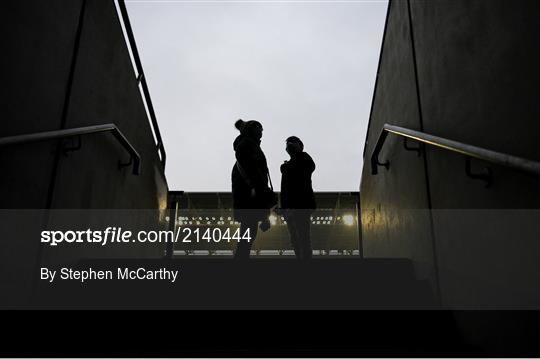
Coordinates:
(297, 198)
(249, 185)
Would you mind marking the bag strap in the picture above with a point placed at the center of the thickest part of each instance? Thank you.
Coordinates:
(269, 179)
(243, 174)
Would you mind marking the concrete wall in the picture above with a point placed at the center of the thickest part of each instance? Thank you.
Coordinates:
(42, 57)
(36, 77)
(105, 91)
(477, 77)
(395, 222)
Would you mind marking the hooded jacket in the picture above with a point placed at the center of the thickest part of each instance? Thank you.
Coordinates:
(252, 175)
(296, 187)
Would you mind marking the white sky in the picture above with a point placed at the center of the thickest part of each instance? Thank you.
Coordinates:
(300, 68)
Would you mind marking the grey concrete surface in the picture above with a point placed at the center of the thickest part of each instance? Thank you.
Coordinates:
(40, 50)
(477, 74)
(105, 91)
(395, 222)
(35, 78)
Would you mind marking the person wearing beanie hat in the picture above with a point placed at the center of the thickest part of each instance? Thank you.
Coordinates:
(297, 197)
(252, 198)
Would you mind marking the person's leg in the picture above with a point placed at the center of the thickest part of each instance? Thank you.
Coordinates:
(303, 223)
(243, 246)
(292, 227)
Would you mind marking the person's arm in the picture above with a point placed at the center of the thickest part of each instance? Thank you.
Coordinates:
(284, 195)
(308, 166)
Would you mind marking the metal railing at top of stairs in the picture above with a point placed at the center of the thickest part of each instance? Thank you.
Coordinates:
(141, 79)
(135, 159)
(470, 151)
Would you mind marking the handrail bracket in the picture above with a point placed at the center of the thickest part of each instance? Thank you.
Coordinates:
(71, 144)
(408, 147)
(125, 164)
(375, 163)
(486, 176)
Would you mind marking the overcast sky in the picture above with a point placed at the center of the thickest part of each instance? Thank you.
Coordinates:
(300, 68)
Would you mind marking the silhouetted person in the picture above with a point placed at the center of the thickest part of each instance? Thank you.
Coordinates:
(252, 197)
(297, 198)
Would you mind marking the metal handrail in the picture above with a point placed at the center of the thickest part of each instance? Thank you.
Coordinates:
(135, 159)
(503, 159)
(141, 79)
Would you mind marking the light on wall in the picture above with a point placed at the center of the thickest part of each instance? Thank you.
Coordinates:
(348, 219)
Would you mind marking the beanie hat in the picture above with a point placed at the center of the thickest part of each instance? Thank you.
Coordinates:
(246, 126)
